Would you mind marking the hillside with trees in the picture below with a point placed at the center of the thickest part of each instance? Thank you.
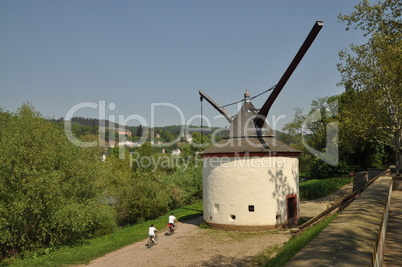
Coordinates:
(89, 128)
(54, 192)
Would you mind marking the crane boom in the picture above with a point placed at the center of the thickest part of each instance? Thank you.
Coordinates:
(262, 114)
(221, 110)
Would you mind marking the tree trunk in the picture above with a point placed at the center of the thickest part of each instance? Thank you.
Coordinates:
(397, 151)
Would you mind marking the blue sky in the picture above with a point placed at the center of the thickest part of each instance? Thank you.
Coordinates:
(133, 56)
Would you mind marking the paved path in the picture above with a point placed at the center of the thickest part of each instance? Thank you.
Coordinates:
(393, 241)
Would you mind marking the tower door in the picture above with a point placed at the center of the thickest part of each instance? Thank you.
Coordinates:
(292, 216)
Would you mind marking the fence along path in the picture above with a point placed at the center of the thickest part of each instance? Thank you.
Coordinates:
(393, 241)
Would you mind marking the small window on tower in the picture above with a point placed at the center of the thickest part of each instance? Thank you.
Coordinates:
(216, 207)
(251, 208)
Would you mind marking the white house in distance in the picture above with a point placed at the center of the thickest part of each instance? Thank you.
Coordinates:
(176, 152)
(250, 179)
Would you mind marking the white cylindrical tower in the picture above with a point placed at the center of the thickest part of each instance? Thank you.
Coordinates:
(250, 179)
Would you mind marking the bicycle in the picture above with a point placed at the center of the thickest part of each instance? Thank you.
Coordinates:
(152, 241)
(171, 229)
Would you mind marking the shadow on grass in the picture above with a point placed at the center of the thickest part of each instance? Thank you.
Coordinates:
(189, 219)
(221, 260)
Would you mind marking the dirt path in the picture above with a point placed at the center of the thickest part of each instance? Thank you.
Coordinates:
(192, 246)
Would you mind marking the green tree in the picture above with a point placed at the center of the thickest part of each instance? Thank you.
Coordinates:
(50, 189)
(139, 131)
(372, 74)
(313, 135)
(111, 135)
(295, 129)
(166, 136)
(202, 141)
(144, 158)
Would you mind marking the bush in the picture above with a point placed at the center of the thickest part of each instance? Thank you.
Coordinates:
(187, 184)
(155, 193)
(76, 221)
(313, 189)
(319, 169)
(144, 197)
(49, 187)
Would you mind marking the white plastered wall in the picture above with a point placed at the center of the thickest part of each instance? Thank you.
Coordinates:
(232, 184)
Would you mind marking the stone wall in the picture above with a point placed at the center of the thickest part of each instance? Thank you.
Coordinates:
(374, 172)
(360, 179)
(356, 236)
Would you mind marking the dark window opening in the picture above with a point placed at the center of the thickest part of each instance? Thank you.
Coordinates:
(292, 207)
(251, 208)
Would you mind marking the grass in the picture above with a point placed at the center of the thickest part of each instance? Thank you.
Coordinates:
(313, 189)
(87, 250)
(292, 247)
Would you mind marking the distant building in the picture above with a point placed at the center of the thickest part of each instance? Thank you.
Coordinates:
(188, 138)
(111, 143)
(124, 132)
(176, 152)
(127, 143)
(120, 131)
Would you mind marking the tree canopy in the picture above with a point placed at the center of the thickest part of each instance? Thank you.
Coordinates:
(372, 74)
(369, 112)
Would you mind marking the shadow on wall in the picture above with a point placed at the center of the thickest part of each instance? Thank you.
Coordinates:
(282, 189)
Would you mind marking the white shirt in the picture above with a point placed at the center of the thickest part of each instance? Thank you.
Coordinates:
(171, 219)
(151, 231)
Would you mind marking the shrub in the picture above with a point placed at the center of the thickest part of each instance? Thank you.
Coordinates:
(49, 187)
(320, 169)
(143, 197)
(313, 189)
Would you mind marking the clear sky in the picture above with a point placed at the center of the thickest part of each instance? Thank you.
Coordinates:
(131, 56)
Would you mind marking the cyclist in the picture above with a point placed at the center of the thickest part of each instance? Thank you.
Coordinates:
(172, 220)
(152, 232)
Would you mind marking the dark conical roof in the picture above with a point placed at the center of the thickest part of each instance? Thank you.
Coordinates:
(243, 124)
(244, 137)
